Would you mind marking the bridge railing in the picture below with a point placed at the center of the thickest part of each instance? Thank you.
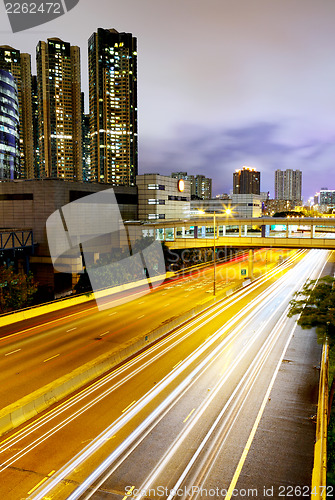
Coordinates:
(319, 475)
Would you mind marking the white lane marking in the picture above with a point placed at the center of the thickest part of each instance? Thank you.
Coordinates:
(141, 316)
(102, 334)
(112, 314)
(52, 357)
(8, 353)
(75, 328)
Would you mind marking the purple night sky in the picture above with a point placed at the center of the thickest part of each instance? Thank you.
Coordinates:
(221, 83)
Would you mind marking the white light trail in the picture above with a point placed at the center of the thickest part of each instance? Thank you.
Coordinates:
(301, 268)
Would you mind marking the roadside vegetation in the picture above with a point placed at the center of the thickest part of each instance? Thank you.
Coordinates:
(17, 289)
(316, 305)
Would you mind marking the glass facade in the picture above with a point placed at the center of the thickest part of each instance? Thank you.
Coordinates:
(9, 127)
(19, 65)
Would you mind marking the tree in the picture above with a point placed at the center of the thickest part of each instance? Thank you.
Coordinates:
(16, 289)
(127, 269)
(317, 309)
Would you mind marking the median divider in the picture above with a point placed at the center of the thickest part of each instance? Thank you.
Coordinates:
(319, 475)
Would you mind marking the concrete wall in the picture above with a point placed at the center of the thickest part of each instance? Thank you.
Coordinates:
(176, 208)
(27, 204)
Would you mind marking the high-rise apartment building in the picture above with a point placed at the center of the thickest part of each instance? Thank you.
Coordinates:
(288, 185)
(203, 187)
(59, 103)
(9, 127)
(35, 114)
(19, 65)
(86, 148)
(112, 65)
(327, 197)
(246, 181)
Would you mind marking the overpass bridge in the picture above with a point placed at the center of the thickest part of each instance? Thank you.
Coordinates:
(260, 232)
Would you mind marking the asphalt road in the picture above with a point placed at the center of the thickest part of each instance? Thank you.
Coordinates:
(33, 355)
(179, 415)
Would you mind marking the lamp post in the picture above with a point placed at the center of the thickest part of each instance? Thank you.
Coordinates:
(227, 212)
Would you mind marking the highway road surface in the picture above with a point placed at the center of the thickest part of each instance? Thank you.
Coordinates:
(33, 355)
(181, 416)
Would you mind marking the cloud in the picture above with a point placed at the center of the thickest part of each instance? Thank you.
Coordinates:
(217, 152)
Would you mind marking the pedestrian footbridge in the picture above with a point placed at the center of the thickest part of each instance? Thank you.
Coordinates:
(237, 232)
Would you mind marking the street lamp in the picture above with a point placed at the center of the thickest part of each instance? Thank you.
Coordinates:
(201, 212)
(227, 212)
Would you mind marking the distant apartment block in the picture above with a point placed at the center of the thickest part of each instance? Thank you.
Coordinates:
(201, 186)
(272, 206)
(161, 197)
(246, 181)
(327, 197)
(288, 185)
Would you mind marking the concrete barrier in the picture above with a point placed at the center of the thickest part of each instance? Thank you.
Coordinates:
(319, 474)
(57, 305)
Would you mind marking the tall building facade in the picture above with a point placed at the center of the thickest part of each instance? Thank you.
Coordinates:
(35, 113)
(19, 65)
(86, 148)
(112, 65)
(246, 180)
(59, 104)
(288, 185)
(9, 127)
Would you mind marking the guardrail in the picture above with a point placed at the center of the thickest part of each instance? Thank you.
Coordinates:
(73, 300)
(319, 475)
